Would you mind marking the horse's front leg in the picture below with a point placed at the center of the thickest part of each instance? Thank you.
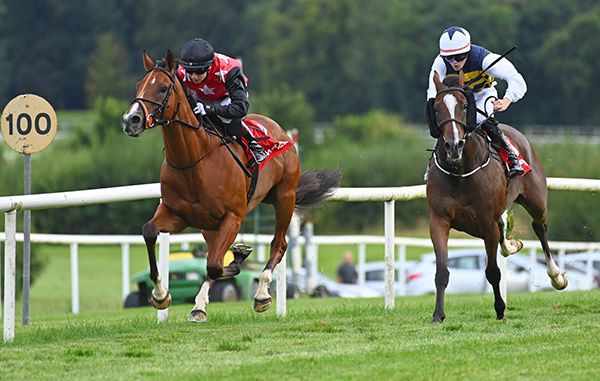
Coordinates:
(198, 314)
(218, 242)
(439, 230)
(492, 272)
(164, 220)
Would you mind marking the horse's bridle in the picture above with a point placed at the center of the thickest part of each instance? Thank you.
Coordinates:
(151, 117)
(463, 124)
(466, 136)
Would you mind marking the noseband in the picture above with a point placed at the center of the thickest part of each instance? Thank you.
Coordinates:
(152, 118)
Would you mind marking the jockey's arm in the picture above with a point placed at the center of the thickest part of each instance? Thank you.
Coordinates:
(437, 67)
(505, 70)
(238, 108)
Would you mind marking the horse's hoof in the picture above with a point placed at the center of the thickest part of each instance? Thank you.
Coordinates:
(163, 303)
(513, 247)
(519, 245)
(560, 282)
(262, 305)
(197, 316)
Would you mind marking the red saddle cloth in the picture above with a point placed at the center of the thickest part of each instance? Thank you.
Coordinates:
(271, 146)
(504, 156)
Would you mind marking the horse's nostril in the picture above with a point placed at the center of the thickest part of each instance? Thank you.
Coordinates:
(135, 119)
(461, 143)
(448, 146)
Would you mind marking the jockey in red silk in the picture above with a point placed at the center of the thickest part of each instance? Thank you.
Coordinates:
(218, 86)
(456, 54)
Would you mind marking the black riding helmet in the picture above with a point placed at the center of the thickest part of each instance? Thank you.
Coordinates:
(196, 54)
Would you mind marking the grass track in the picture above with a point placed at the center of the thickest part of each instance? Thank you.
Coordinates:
(547, 336)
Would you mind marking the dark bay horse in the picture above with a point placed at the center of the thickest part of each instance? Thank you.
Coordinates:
(467, 190)
(203, 187)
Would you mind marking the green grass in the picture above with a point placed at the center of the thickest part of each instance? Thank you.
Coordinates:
(547, 336)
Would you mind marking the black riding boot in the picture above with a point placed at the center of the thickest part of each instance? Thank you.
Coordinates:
(498, 137)
(257, 151)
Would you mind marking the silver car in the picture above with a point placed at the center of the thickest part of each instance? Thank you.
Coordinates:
(467, 274)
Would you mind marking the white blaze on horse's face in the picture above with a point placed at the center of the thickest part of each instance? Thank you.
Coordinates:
(133, 122)
(451, 102)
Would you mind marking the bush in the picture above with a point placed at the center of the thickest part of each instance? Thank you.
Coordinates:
(372, 150)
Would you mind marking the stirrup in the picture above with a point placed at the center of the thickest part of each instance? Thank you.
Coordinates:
(258, 153)
(515, 168)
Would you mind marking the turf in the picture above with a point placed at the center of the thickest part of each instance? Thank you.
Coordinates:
(547, 336)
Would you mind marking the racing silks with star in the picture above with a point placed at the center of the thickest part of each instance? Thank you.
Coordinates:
(224, 80)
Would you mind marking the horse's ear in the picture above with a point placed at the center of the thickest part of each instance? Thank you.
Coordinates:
(436, 80)
(169, 60)
(148, 62)
(461, 79)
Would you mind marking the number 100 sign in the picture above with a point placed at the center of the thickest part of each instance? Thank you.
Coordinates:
(28, 123)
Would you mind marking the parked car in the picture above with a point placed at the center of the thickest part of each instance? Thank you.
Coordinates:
(539, 277)
(580, 260)
(375, 275)
(186, 274)
(327, 287)
(467, 274)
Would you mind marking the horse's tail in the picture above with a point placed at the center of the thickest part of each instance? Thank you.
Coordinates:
(314, 188)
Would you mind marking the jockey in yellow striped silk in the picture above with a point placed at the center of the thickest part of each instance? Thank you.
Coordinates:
(458, 53)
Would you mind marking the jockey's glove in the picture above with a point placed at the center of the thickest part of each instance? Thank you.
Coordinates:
(202, 109)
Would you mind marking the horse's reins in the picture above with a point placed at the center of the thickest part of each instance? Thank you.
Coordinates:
(467, 135)
(152, 121)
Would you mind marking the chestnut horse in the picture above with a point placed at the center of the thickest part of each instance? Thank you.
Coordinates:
(203, 187)
(467, 190)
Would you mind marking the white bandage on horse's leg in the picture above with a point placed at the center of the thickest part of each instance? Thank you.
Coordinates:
(202, 297)
(159, 291)
(264, 281)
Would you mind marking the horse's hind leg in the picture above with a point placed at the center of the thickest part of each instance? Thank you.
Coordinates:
(559, 280)
(164, 220)
(284, 208)
(535, 204)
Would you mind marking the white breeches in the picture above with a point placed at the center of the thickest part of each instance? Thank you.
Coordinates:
(485, 102)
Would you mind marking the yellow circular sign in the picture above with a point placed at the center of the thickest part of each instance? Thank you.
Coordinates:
(28, 123)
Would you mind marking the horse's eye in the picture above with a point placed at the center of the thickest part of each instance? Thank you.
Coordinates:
(163, 89)
(464, 107)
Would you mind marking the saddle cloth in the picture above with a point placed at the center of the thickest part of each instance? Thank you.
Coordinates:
(271, 146)
(504, 156)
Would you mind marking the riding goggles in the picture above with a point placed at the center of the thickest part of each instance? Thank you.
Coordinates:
(201, 70)
(456, 57)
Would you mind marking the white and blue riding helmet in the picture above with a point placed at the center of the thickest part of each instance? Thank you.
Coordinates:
(455, 40)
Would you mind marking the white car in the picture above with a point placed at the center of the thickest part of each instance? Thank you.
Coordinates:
(375, 275)
(580, 261)
(327, 287)
(467, 274)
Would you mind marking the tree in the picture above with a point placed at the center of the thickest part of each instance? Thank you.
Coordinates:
(572, 85)
(105, 74)
(288, 108)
